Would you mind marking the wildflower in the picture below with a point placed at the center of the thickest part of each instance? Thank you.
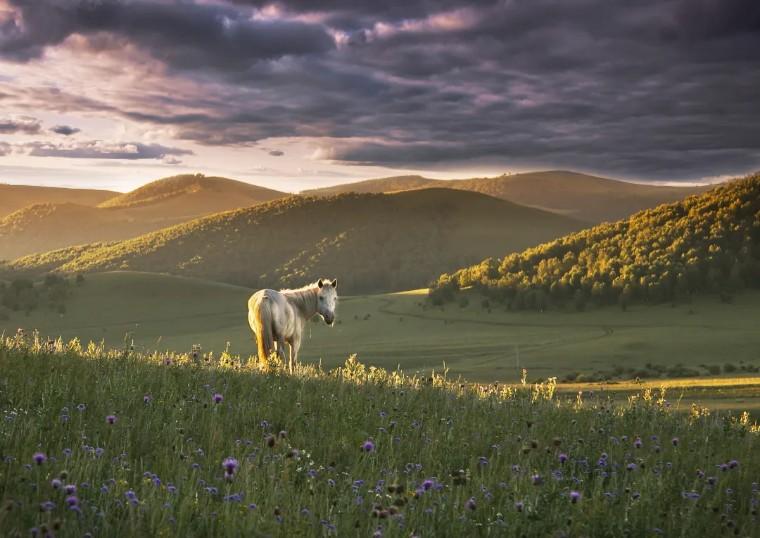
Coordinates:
(56, 483)
(67, 452)
(537, 480)
(70, 489)
(39, 458)
(562, 457)
(637, 443)
(675, 441)
(111, 419)
(47, 506)
(81, 407)
(470, 504)
(368, 446)
(72, 500)
(230, 467)
(519, 506)
(147, 398)
(427, 484)
(217, 398)
(631, 466)
(482, 460)
(575, 496)
(733, 464)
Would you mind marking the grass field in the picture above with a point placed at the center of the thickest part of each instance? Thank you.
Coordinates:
(112, 444)
(160, 312)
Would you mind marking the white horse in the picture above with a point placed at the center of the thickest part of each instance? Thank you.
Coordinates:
(277, 317)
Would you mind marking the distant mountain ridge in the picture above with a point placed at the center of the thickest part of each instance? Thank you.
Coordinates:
(15, 197)
(156, 205)
(588, 198)
(374, 242)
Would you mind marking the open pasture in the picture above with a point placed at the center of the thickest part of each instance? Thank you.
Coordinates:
(114, 444)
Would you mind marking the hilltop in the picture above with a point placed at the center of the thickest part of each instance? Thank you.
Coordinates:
(374, 242)
(588, 198)
(709, 242)
(15, 197)
(191, 195)
(159, 204)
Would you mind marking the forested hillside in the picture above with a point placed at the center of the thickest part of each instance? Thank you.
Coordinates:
(706, 243)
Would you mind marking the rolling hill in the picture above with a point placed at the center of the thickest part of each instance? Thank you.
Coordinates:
(15, 197)
(588, 198)
(162, 203)
(374, 242)
(709, 242)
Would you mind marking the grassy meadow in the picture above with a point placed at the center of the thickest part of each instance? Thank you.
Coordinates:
(702, 340)
(98, 443)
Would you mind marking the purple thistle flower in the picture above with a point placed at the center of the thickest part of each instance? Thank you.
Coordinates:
(537, 480)
(56, 484)
(631, 466)
(67, 452)
(427, 484)
(217, 398)
(637, 443)
(230, 465)
(575, 496)
(70, 489)
(470, 504)
(47, 506)
(81, 407)
(111, 419)
(368, 446)
(711, 480)
(482, 460)
(39, 458)
(72, 500)
(147, 398)
(562, 457)
(675, 441)
(733, 464)
(519, 506)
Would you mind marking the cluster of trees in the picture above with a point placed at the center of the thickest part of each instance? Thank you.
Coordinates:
(22, 294)
(708, 242)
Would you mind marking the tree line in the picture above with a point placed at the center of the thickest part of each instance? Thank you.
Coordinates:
(705, 243)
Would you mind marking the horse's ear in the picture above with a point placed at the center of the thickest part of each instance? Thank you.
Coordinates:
(335, 283)
(320, 283)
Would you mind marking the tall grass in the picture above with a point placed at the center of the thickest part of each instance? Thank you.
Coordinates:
(146, 441)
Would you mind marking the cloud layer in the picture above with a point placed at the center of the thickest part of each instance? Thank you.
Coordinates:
(652, 89)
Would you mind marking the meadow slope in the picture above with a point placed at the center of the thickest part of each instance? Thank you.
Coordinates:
(704, 339)
(121, 444)
(377, 242)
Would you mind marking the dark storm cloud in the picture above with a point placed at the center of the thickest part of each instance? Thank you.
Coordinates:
(185, 35)
(65, 130)
(97, 150)
(24, 125)
(660, 89)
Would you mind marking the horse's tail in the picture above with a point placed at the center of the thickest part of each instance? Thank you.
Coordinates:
(262, 326)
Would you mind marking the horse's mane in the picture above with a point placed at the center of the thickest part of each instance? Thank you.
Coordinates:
(307, 287)
(304, 298)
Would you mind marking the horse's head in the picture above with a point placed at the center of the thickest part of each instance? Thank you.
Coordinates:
(327, 298)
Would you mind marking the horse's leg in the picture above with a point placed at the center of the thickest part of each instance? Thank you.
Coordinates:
(295, 345)
(281, 349)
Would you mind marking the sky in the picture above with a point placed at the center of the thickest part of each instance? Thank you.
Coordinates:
(298, 94)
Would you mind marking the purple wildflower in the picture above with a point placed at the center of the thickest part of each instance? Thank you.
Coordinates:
(537, 480)
(631, 466)
(733, 464)
(39, 458)
(217, 398)
(72, 500)
(70, 489)
(47, 506)
(575, 496)
(147, 398)
(111, 419)
(675, 441)
(637, 443)
(519, 506)
(470, 504)
(562, 457)
(368, 446)
(427, 484)
(56, 484)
